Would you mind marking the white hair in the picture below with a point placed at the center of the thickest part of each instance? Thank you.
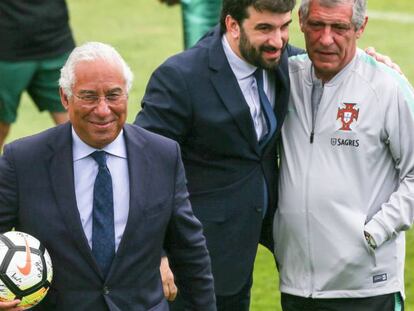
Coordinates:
(91, 51)
(359, 9)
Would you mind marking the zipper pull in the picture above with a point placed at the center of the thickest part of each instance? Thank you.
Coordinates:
(311, 137)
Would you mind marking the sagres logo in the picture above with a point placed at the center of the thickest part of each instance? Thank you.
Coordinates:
(25, 270)
(347, 115)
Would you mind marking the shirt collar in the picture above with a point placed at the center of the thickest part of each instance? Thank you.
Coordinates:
(240, 67)
(82, 150)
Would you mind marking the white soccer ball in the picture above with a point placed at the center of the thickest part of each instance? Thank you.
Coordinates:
(25, 269)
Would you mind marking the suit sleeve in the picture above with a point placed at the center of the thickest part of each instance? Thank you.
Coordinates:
(397, 214)
(166, 107)
(292, 50)
(8, 191)
(186, 246)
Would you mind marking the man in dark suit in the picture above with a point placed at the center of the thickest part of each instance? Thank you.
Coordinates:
(212, 100)
(104, 224)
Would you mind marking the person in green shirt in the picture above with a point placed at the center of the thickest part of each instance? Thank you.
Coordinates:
(198, 17)
(36, 40)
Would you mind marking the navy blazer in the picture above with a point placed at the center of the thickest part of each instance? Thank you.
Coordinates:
(37, 196)
(194, 98)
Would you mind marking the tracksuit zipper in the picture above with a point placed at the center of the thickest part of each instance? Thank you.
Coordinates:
(311, 267)
(311, 139)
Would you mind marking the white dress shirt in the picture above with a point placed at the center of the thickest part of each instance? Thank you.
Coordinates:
(244, 74)
(85, 171)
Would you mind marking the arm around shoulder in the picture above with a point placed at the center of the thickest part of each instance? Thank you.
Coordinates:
(292, 50)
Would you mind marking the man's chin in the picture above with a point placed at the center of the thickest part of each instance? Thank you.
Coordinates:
(270, 64)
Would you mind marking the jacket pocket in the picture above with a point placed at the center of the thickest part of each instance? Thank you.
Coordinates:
(369, 249)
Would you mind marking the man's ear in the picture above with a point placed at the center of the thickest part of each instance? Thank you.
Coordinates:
(64, 98)
(301, 21)
(232, 27)
(361, 30)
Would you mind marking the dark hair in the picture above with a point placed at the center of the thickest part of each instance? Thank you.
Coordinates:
(238, 9)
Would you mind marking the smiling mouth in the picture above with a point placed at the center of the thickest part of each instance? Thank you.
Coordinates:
(271, 51)
(102, 124)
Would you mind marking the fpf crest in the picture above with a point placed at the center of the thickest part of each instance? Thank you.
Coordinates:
(347, 115)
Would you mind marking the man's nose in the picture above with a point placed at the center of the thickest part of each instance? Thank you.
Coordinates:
(102, 107)
(275, 39)
(326, 38)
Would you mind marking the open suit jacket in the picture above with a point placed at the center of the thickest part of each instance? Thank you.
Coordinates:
(37, 196)
(194, 98)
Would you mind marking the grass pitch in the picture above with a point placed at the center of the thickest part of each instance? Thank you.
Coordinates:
(146, 33)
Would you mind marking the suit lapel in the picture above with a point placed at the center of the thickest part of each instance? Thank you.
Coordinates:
(282, 87)
(227, 87)
(138, 165)
(62, 179)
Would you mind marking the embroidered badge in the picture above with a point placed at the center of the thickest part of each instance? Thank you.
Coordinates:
(347, 115)
(379, 278)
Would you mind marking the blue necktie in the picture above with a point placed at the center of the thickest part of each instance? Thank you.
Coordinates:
(103, 232)
(267, 108)
(271, 127)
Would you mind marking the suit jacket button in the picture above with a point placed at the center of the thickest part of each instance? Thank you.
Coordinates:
(105, 290)
(259, 209)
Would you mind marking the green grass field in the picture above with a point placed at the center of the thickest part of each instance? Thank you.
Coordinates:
(146, 33)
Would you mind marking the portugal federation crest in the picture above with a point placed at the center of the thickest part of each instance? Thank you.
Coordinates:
(347, 115)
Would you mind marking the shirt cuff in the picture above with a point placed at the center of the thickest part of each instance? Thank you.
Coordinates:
(377, 231)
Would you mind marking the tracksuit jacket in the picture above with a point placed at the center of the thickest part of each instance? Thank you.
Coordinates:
(355, 174)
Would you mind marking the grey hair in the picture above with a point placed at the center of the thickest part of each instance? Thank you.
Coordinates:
(359, 9)
(91, 51)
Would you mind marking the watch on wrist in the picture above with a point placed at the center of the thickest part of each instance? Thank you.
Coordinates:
(370, 240)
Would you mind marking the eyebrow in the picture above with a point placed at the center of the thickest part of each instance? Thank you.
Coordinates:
(320, 22)
(81, 92)
(86, 92)
(116, 89)
(272, 25)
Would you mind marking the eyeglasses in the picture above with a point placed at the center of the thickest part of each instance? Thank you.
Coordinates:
(92, 99)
